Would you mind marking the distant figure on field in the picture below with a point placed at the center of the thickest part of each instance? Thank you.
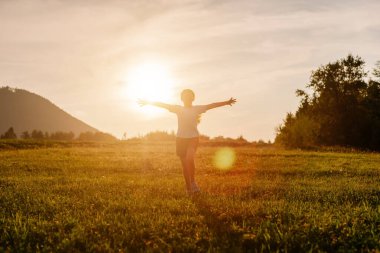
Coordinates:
(187, 135)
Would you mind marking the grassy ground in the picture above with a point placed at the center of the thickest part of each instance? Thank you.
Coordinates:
(132, 198)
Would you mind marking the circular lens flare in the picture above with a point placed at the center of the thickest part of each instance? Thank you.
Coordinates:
(224, 158)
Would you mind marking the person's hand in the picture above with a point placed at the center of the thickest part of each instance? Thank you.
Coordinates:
(142, 102)
(231, 101)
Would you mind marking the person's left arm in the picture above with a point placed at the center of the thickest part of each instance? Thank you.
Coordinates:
(230, 102)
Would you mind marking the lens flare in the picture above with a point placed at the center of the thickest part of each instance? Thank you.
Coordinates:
(224, 158)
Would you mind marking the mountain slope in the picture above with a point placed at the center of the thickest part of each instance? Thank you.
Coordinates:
(26, 111)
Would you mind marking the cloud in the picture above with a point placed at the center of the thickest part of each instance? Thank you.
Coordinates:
(259, 51)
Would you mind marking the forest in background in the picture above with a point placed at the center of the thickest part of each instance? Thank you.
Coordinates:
(340, 107)
(26, 139)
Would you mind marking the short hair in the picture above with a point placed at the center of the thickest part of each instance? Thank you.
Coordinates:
(187, 92)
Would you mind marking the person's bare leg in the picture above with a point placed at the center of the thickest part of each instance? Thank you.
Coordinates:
(186, 174)
(191, 164)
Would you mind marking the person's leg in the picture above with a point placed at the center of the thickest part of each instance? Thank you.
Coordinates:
(190, 157)
(190, 164)
(186, 174)
(181, 150)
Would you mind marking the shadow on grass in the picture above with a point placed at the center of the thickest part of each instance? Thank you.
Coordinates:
(225, 237)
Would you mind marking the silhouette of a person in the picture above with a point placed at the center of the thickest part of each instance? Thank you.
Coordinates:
(187, 135)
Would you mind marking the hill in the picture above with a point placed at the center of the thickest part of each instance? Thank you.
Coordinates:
(26, 111)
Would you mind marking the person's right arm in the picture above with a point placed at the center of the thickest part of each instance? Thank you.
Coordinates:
(157, 104)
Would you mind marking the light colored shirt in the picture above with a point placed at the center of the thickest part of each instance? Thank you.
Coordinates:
(188, 119)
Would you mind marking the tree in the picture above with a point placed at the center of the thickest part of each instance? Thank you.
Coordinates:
(376, 70)
(62, 136)
(96, 136)
(203, 137)
(25, 135)
(9, 134)
(37, 134)
(372, 103)
(341, 109)
(160, 136)
(241, 139)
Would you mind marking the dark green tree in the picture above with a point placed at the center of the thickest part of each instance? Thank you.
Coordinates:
(37, 134)
(341, 108)
(62, 136)
(9, 134)
(96, 136)
(25, 135)
(372, 103)
(376, 71)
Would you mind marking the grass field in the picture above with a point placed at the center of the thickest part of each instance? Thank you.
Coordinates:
(131, 198)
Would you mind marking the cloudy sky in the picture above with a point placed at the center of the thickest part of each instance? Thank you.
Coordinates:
(81, 54)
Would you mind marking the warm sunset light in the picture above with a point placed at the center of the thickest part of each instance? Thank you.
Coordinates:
(102, 56)
(189, 126)
(150, 81)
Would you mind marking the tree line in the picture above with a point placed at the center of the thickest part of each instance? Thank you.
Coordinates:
(100, 136)
(340, 107)
(171, 136)
(59, 136)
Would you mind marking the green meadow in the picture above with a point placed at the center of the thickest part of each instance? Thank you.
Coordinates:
(130, 197)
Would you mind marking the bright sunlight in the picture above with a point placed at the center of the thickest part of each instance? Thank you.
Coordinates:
(150, 81)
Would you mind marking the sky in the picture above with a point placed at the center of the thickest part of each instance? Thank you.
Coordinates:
(83, 56)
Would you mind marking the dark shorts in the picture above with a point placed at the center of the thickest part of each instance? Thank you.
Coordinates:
(184, 144)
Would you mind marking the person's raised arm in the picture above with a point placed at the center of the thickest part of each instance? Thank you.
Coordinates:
(169, 107)
(230, 102)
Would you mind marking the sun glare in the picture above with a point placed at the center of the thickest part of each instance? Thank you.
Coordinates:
(150, 81)
(224, 158)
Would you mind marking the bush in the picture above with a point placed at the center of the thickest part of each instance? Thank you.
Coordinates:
(9, 134)
(96, 136)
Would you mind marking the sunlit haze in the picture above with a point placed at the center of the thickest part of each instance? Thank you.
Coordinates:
(95, 59)
(150, 81)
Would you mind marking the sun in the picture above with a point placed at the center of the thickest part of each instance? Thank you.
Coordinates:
(150, 81)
